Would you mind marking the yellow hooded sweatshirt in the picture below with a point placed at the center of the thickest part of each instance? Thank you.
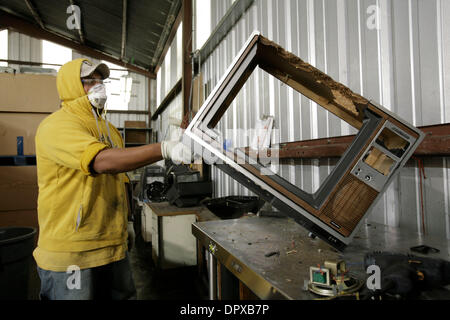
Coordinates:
(82, 216)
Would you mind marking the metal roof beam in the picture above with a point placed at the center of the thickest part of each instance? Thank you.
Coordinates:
(35, 14)
(124, 29)
(12, 22)
(171, 18)
(173, 33)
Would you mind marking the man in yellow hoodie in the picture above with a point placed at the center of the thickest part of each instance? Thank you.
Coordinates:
(82, 202)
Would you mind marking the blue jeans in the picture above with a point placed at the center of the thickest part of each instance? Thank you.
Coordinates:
(112, 281)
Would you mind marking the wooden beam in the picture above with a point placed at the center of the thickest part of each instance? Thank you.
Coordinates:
(177, 88)
(12, 22)
(173, 33)
(186, 8)
(435, 144)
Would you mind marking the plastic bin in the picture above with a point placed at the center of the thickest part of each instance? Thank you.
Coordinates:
(16, 247)
(233, 207)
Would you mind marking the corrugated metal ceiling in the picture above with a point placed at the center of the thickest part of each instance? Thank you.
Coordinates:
(148, 23)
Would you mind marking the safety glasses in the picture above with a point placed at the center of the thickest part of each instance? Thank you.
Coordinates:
(94, 81)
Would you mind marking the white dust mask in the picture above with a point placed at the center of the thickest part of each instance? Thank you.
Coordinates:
(97, 96)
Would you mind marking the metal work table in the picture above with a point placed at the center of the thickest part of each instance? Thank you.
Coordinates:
(243, 246)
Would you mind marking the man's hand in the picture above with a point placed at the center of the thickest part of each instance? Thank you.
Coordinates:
(177, 152)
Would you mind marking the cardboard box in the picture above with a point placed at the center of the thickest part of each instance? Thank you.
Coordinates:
(28, 93)
(198, 96)
(13, 125)
(18, 188)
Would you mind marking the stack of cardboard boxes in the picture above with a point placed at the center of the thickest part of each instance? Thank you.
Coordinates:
(26, 99)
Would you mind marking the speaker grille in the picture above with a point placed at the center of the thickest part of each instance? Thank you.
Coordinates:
(349, 204)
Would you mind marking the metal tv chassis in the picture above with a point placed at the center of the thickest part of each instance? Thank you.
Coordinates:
(380, 149)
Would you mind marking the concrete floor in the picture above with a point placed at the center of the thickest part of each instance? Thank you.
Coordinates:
(172, 284)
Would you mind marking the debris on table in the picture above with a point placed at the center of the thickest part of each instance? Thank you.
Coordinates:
(272, 253)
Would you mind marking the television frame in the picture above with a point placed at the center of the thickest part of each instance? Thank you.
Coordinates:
(362, 181)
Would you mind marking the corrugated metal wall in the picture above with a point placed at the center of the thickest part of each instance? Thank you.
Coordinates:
(138, 101)
(24, 48)
(401, 60)
(168, 75)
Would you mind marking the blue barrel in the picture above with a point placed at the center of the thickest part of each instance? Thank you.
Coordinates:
(16, 248)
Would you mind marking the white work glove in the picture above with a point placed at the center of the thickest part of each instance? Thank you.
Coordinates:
(177, 152)
(131, 235)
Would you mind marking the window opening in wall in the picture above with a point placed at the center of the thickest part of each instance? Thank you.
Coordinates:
(119, 87)
(55, 54)
(203, 22)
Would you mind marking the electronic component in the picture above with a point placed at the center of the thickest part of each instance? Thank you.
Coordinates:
(332, 280)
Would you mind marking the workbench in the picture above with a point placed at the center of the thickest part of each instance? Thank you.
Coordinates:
(246, 248)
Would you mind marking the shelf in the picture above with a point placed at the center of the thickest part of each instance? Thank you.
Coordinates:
(137, 129)
(136, 133)
(17, 161)
(135, 144)
(435, 144)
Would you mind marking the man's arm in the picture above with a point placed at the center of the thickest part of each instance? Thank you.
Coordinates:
(127, 159)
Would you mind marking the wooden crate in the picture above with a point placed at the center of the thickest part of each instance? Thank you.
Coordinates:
(135, 132)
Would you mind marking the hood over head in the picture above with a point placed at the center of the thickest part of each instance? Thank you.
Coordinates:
(68, 81)
(71, 91)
